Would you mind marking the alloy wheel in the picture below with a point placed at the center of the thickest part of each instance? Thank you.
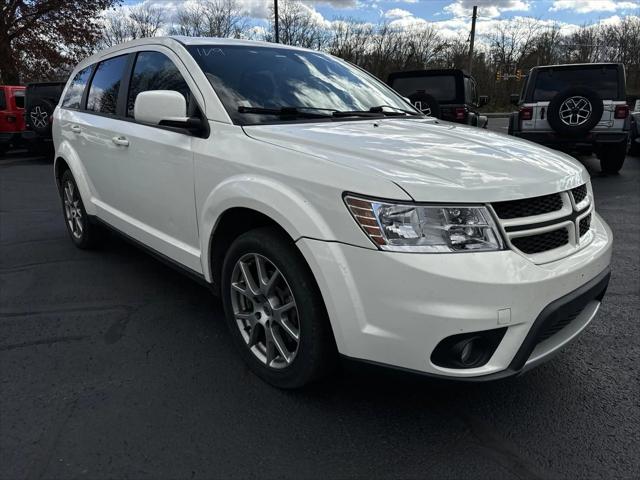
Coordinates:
(575, 111)
(265, 311)
(73, 210)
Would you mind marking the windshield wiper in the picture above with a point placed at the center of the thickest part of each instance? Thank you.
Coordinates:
(285, 111)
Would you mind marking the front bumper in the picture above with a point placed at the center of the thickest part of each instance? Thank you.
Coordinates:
(394, 308)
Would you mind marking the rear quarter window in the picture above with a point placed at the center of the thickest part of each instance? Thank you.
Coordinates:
(105, 86)
(3, 100)
(551, 82)
(73, 97)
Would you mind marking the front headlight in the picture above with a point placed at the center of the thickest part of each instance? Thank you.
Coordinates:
(407, 227)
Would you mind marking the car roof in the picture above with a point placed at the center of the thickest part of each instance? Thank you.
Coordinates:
(181, 40)
(578, 65)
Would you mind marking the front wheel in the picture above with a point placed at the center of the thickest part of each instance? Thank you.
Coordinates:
(274, 310)
(612, 157)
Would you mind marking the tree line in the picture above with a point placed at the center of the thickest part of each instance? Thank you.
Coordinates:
(78, 27)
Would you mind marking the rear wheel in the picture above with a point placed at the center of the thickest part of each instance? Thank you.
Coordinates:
(82, 231)
(612, 157)
(274, 310)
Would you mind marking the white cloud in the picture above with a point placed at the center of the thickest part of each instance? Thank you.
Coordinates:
(588, 6)
(397, 13)
(486, 8)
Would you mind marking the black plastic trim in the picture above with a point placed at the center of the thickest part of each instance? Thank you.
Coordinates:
(198, 277)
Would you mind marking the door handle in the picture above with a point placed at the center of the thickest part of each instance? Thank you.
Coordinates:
(76, 129)
(120, 141)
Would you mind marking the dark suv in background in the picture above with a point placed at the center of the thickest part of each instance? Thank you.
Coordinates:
(41, 101)
(450, 94)
(576, 108)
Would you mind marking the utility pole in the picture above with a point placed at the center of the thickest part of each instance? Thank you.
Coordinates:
(472, 38)
(275, 16)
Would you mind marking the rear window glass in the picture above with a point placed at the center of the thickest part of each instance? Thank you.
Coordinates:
(3, 101)
(73, 97)
(441, 87)
(550, 82)
(103, 93)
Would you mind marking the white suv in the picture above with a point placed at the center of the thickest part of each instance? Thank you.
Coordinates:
(331, 217)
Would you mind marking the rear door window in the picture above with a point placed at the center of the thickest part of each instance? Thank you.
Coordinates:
(19, 98)
(550, 82)
(105, 86)
(154, 71)
(73, 97)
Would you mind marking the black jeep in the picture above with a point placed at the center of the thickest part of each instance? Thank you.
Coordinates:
(576, 108)
(450, 94)
(40, 102)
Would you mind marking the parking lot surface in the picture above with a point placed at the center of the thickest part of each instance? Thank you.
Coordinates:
(113, 365)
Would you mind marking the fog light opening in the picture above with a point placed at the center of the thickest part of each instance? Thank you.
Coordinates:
(467, 350)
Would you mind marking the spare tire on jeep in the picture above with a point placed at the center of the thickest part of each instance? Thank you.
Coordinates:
(575, 111)
(39, 115)
(426, 103)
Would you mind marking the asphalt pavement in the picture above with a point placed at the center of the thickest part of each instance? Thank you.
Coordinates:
(113, 365)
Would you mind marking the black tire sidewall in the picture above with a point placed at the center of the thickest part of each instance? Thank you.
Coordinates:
(426, 99)
(316, 354)
(612, 157)
(87, 239)
(553, 111)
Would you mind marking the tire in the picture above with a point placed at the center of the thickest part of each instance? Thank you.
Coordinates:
(86, 235)
(634, 149)
(426, 103)
(39, 117)
(585, 101)
(612, 157)
(264, 336)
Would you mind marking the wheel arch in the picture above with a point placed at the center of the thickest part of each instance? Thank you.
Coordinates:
(242, 203)
(66, 158)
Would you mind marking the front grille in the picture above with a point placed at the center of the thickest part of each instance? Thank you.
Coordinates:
(585, 224)
(528, 206)
(579, 193)
(542, 242)
(558, 325)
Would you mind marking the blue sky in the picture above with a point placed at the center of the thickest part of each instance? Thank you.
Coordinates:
(450, 16)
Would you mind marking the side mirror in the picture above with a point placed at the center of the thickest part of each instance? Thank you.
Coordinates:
(483, 100)
(155, 106)
(514, 99)
(166, 108)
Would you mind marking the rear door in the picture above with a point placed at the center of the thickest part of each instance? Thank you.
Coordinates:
(88, 120)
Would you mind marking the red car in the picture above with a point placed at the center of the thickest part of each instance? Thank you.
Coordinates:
(11, 116)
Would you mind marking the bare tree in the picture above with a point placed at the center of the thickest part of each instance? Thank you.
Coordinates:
(298, 26)
(121, 24)
(212, 18)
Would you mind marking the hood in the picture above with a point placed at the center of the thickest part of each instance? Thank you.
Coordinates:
(433, 160)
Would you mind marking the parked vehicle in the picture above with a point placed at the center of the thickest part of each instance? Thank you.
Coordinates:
(450, 94)
(11, 116)
(576, 108)
(330, 216)
(41, 100)
(634, 146)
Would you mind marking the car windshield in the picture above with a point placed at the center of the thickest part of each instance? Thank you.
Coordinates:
(440, 87)
(301, 84)
(603, 80)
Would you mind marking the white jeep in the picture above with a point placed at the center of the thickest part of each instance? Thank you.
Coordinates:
(576, 108)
